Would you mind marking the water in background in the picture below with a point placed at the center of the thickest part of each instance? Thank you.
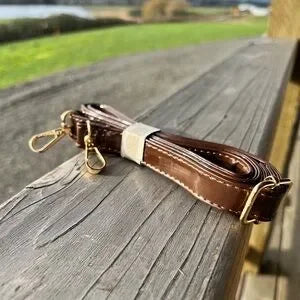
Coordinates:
(41, 11)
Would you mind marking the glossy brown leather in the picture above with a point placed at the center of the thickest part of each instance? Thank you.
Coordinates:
(219, 175)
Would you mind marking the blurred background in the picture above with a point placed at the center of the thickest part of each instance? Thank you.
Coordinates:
(27, 19)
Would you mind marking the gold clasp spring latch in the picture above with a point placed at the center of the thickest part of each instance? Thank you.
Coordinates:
(55, 135)
(94, 166)
(268, 182)
(94, 160)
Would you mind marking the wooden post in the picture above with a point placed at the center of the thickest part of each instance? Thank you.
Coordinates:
(284, 22)
(285, 19)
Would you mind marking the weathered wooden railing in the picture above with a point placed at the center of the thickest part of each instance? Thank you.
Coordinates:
(129, 233)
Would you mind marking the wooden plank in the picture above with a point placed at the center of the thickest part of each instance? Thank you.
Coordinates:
(284, 23)
(279, 158)
(131, 84)
(285, 19)
(267, 287)
(280, 266)
(130, 233)
(282, 255)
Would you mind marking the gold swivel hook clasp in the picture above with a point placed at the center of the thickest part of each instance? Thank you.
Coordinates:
(94, 160)
(51, 137)
(41, 142)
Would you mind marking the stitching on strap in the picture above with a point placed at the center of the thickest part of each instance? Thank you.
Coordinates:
(215, 153)
(202, 173)
(187, 188)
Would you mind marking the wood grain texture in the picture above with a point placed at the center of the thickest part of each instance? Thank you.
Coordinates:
(130, 233)
(285, 19)
(279, 157)
(284, 23)
(282, 254)
(267, 287)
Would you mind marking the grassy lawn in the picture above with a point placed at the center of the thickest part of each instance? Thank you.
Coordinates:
(23, 61)
(210, 10)
(5, 21)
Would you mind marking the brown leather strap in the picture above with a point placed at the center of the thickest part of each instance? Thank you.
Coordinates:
(221, 176)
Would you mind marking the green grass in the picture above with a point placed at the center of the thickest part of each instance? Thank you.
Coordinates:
(24, 61)
(209, 10)
(5, 21)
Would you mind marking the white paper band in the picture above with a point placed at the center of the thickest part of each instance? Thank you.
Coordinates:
(133, 141)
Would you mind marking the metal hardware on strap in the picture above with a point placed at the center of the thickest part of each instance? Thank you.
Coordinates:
(268, 182)
(55, 134)
(93, 167)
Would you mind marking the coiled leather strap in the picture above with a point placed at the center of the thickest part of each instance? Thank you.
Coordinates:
(221, 176)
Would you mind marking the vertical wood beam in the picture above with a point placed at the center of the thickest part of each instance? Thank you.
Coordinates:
(284, 22)
(285, 19)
